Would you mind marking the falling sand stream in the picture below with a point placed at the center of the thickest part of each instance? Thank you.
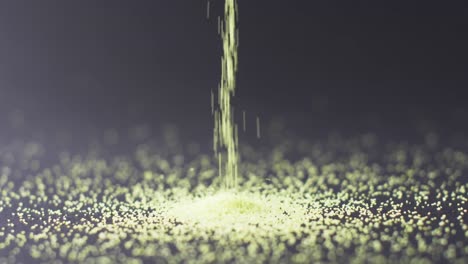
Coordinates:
(225, 139)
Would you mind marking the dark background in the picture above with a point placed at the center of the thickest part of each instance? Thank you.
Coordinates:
(321, 65)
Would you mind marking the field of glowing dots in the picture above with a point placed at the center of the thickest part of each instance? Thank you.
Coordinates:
(333, 200)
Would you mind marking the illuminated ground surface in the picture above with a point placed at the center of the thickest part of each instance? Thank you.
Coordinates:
(334, 201)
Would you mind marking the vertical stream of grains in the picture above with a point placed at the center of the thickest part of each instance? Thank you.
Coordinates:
(225, 139)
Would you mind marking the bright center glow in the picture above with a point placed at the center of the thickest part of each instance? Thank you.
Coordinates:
(239, 211)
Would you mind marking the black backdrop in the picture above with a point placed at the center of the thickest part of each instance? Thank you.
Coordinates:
(319, 64)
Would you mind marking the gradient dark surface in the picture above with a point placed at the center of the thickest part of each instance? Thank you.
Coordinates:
(322, 65)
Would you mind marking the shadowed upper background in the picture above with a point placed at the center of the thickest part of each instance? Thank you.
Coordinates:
(319, 64)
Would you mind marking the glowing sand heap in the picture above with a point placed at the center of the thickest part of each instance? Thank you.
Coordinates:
(345, 201)
(225, 130)
(243, 212)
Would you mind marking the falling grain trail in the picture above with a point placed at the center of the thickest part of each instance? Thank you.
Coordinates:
(258, 127)
(212, 102)
(243, 120)
(225, 136)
